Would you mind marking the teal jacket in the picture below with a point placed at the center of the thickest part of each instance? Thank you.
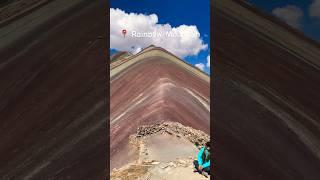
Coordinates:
(200, 161)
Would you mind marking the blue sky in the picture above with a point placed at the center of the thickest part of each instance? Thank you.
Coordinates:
(310, 26)
(190, 12)
(175, 13)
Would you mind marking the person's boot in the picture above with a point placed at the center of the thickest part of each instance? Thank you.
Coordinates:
(205, 174)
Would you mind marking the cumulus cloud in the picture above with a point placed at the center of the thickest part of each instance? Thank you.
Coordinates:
(182, 41)
(200, 66)
(208, 61)
(314, 10)
(290, 14)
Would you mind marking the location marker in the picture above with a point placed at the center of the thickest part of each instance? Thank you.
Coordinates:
(124, 32)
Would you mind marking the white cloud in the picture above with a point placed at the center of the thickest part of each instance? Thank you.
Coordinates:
(290, 14)
(188, 43)
(208, 61)
(200, 66)
(314, 10)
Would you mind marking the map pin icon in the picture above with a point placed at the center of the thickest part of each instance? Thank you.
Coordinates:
(124, 32)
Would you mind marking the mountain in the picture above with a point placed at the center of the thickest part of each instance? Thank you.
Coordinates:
(266, 84)
(53, 106)
(150, 87)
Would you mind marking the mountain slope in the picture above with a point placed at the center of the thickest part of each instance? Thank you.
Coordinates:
(266, 103)
(53, 94)
(152, 87)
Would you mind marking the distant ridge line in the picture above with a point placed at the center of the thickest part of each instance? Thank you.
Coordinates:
(149, 49)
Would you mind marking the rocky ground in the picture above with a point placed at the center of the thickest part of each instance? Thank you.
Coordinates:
(166, 151)
(176, 129)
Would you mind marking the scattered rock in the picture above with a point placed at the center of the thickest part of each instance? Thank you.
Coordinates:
(165, 165)
(155, 163)
(181, 161)
(172, 164)
(173, 128)
(143, 167)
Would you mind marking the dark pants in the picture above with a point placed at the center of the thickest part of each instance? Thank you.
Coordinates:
(196, 165)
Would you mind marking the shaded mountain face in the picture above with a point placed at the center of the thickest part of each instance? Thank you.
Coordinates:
(152, 87)
(53, 107)
(266, 84)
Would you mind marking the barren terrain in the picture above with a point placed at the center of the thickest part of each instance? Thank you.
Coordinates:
(53, 95)
(151, 87)
(165, 151)
(266, 80)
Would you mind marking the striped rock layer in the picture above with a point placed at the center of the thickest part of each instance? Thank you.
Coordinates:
(266, 84)
(151, 87)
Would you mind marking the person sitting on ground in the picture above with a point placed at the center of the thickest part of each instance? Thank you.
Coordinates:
(202, 164)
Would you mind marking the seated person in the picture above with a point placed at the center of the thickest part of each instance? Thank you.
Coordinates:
(202, 164)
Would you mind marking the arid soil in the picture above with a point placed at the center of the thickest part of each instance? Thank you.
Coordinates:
(165, 151)
(266, 79)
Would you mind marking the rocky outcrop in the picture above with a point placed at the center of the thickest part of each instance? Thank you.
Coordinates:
(196, 137)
